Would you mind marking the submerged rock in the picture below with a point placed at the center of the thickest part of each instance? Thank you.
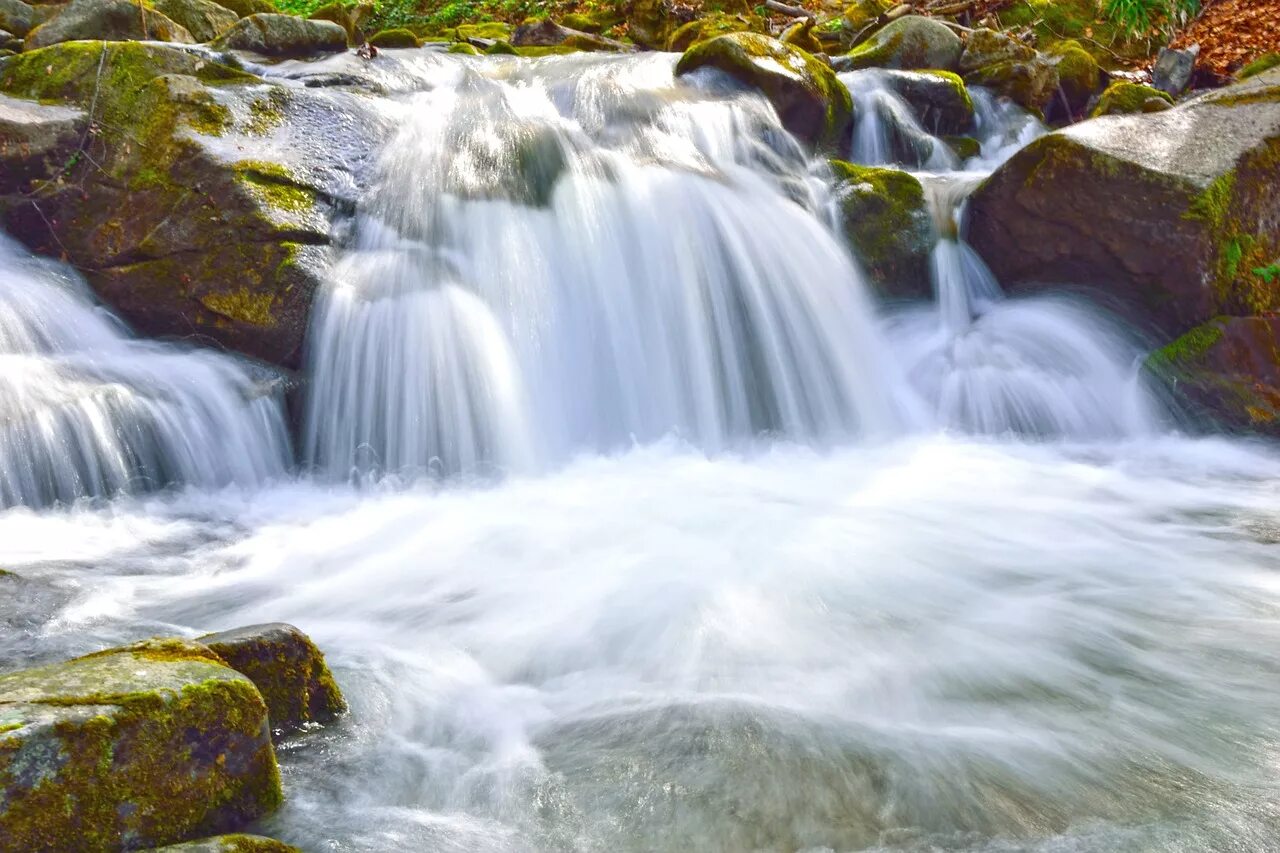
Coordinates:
(229, 844)
(144, 745)
(283, 35)
(204, 19)
(811, 102)
(112, 20)
(287, 669)
(1173, 215)
(910, 43)
(885, 218)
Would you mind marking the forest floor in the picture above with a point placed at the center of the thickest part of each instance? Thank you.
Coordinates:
(1233, 33)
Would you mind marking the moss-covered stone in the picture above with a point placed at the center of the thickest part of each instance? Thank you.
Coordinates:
(650, 23)
(1079, 75)
(204, 19)
(965, 147)
(490, 31)
(596, 21)
(861, 14)
(885, 218)
(1083, 20)
(229, 844)
(985, 47)
(710, 26)
(245, 8)
(811, 101)
(283, 35)
(939, 99)
(801, 34)
(465, 48)
(288, 670)
(501, 48)
(1263, 63)
(1125, 98)
(16, 17)
(132, 747)
(909, 43)
(394, 38)
(113, 20)
(1030, 84)
(351, 17)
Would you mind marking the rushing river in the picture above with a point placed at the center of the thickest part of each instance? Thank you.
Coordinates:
(630, 520)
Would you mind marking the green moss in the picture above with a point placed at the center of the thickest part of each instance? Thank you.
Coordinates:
(886, 220)
(1079, 74)
(275, 185)
(267, 112)
(1082, 20)
(1263, 63)
(909, 43)
(394, 38)
(243, 306)
(965, 147)
(537, 50)
(1123, 97)
(501, 48)
(463, 47)
(862, 13)
(1187, 349)
(710, 26)
(595, 21)
(493, 30)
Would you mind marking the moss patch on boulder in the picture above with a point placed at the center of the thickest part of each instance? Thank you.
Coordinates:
(1125, 98)
(204, 19)
(710, 26)
(283, 35)
(909, 43)
(394, 38)
(987, 47)
(1079, 75)
(1263, 63)
(1030, 84)
(885, 218)
(229, 844)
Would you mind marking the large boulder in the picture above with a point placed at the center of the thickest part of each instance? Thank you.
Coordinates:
(287, 669)
(909, 43)
(283, 35)
(350, 18)
(134, 747)
(202, 205)
(16, 17)
(36, 140)
(113, 20)
(1031, 84)
(712, 25)
(985, 47)
(939, 99)
(811, 102)
(1079, 75)
(204, 19)
(1172, 215)
(885, 218)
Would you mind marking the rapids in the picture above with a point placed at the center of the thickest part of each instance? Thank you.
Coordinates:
(629, 519)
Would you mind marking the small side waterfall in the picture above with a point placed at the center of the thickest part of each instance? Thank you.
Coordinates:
(87, 412)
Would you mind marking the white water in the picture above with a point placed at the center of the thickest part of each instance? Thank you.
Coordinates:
(769, 632)
(85, 411)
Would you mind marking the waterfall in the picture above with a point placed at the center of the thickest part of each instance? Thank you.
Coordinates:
(85, 411)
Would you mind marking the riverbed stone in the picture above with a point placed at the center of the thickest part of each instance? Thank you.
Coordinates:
(1031, 84)
(1079, 75)
(204, 19)
(811, 102)
(1172, 217)
(288, 670)
(910, 43)
(237, 843)
(245, 8)
(1125, 98)
(886, 220)
(939, 99)
(133, 747)
(283, 35)
(113, 20)
(36, 140)
(985, 47)
(712, 25)
(16, 17)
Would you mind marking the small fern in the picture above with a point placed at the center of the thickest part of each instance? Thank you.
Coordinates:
(1143, 17)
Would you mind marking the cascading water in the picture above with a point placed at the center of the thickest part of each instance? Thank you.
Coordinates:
(87, 412)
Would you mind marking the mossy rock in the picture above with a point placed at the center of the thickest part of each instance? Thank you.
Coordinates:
(139, 746)
(1172, 215)
(283, 35)
(886, 220)
(491, 31)
(288, 670)
(810, 100)
(594, 21)
(245, 8)
(1031, 84)
(1263, 63)
(1079, 75)
(650, 23)
(965, 147)
(862, 13)
(204, 19)
(229, 844)
(988, 47)
(394, 38)
(801, 35)
(501, 48)
(16, 17)
(351, 18)
(1082, 20)
(1125, 98)
(711, 26)
(939, 99)
(112, 20)
(463, 47)
(909, 43)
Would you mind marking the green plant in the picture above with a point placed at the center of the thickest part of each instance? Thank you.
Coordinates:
(1268, 273)
(1143, 17)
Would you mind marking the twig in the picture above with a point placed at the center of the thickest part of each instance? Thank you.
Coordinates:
(789, 11)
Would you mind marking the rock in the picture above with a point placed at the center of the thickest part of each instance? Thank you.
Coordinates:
(1123, 98)
(229, 844)
(1079, 75)
(939, 99)
(1174, 68)
(1228, 367)
(861, 14)
(487, 32)
(909, 43)
(885, 218)
(288, 670)
(594, 21)
(463, 47)
(350, 18)
(113, 20)
(546, 33)
(988, 47)
(283, 35)
(10, 42)
(965, 147)
(171, 223)
(501, 48)
(1031, 84)
(811, 102)
(800, 34)
(650, 23)
(204, 19)
(36, 141)
(710, 26)
(1171, 217)
(16, 17)
(1263, 63)
(394, 38)
(131, 747)
(245, 8)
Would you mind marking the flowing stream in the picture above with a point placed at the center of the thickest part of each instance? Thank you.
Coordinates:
(629, 518)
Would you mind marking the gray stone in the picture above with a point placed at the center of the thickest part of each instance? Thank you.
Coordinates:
(204, 19)
(283, 35)
(16, 17)
(36, 141)
(1173, 69)
(110, 20)
(910, 43)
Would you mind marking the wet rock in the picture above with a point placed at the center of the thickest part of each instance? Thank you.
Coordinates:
(113, 20)
(801, 35)
(288, 670)
(16, 17)
(172, 222)
(283, 35)
(910, 43)
(650, 23)
(861, 14)
(1124, 98)
(1079, 76)
(1229, 369)
(1174, 68)
(988, 47)
(1030, 84)
(394, 38)
(710, 26)
(204, 19)
(1171, 217)
(938, 98)
(36, 141)
(811, 102)
(547, 33)
(9, 42)
(229, 844)
(885, 218)
(138, 746)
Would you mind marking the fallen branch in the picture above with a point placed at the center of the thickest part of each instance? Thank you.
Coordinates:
(789, 11)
